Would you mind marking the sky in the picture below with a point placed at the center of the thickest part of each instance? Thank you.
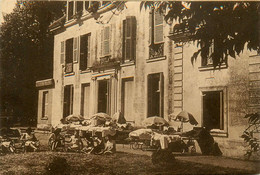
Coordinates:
(6, 6)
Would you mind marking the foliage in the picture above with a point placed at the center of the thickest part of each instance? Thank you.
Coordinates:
(248, 134)
(26, 54)
(229, 26)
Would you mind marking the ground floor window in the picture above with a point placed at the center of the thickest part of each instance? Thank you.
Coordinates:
(103, 96)
(68, 100)
(45, 95)
(155, 94)
(128, 98)
(213, 117)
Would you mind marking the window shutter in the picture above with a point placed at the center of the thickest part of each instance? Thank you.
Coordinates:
(130, 38)
(102, 42)
(106, 37)
(161, 86)
(62, 53)
(75, 49)
(88, 60)
(123, 42)
(150, 27)
(158, 28)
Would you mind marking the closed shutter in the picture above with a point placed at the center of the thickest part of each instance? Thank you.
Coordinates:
(106, 44)
(158, 28)
(130, 38)
(62, 53)
(102, 42)
(75, 49)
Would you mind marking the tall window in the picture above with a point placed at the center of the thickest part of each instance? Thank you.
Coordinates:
(129, 38)
(105, 41)
(84, 51)
(209, 50)
(68, 100)
(155, 34)
(85, 100)
(213, 117)
(155, 95)
(69, 56)
(79, 6)
(45, 104)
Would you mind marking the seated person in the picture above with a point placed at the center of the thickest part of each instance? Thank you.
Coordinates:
(110, 146)
(31, 141)
(98, 145)
(56, 139)
(74, 139)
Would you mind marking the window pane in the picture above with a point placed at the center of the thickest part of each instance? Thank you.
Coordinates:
(70, 11)
(79, 6)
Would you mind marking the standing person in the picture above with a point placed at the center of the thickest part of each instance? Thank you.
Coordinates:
(30, 139)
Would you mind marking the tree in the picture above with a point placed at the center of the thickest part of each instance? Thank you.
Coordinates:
(229, 26)
(26, 54)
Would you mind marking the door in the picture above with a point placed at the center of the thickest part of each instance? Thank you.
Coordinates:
(128, 98)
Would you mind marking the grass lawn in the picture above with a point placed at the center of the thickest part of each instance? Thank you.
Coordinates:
(119, 163)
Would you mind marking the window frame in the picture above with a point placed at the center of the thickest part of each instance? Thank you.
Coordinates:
(88, 35)
(217, 132)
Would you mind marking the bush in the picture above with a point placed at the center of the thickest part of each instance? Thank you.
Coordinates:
(57, 166)
(163, 158)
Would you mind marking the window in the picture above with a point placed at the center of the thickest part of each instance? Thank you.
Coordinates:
(84, 51)
(155, 35)
(68, 101)
(129, 38)
(105, 41)
(45, 104)
(70, 10)
(213, 117)
(87, 3)
(69, 56)
(155, 95)
(85, 100)
(209, 51)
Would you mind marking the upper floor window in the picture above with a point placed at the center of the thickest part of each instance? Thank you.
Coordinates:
(129, 38)
(156, 47)
(71, 53)
(84, 51)
(70, 10)
(209, 49)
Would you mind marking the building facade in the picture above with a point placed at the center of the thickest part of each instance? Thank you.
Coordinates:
(121, 58)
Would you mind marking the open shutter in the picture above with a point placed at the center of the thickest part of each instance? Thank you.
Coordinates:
(75, 49)
(151, 27)
(123, 42)
(161, 86)
(158, 27)
(88, 59)
(130, 37)
(62, 53)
